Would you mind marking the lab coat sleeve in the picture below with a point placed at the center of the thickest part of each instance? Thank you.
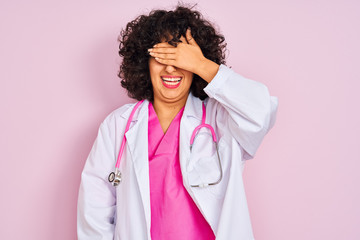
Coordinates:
(96, 202)
(245, 105)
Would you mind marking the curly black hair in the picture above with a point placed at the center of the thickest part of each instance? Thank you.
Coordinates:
(147, 30)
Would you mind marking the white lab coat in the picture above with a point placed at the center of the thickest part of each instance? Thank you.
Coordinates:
(241, 112)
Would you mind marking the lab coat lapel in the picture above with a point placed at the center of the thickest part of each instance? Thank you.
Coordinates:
(137, 143)
(191, 118)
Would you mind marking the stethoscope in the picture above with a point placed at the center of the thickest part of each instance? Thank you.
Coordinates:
(115, 177)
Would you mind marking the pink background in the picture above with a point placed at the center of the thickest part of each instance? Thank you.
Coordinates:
(58, 78)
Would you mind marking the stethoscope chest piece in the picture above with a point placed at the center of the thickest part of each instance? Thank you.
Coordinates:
(115, 178)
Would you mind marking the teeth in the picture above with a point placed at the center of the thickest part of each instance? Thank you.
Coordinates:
(171, 79)
(171, 83)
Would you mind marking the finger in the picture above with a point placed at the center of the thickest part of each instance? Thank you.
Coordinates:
(183, 39)
(166, 62)
(189, 38)
(163, 55)
(162, 50)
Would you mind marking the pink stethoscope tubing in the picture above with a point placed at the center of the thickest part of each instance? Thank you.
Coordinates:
(117, 165)
(115, 177)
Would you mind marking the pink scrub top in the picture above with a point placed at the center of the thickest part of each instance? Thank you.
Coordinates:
(174, 214)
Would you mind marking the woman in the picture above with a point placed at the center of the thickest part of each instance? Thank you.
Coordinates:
(174, 61)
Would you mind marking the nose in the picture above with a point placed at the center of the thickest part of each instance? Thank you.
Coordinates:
(170, 69)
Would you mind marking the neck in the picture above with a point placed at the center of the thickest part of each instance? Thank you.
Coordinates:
(168, 109)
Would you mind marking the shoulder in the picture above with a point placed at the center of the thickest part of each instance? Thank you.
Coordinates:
(118, 115)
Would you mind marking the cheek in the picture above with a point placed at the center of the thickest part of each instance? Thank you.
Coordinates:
(189, 76)
(154, 66)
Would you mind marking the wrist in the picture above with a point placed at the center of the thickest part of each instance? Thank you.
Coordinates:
(207, 69)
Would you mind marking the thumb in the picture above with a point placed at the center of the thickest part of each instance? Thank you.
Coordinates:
(189, 38)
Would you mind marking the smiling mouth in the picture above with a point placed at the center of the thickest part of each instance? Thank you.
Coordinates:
(171, 81)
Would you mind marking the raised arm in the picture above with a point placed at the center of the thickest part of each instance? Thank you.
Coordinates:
(245, 105)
